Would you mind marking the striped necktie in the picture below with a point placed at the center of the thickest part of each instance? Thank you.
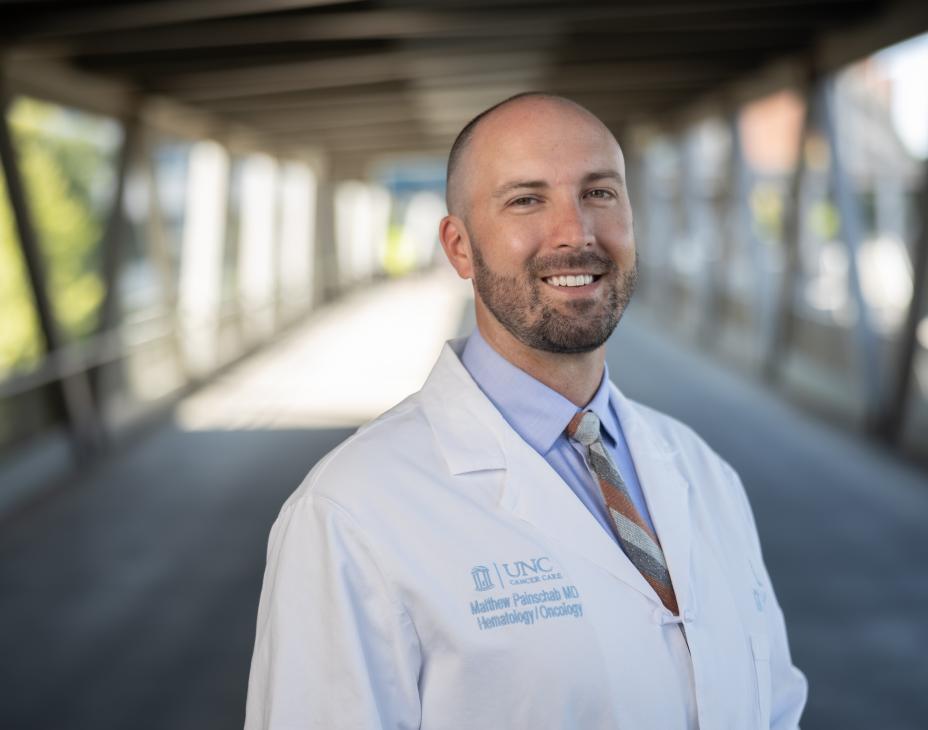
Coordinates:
(637, 539)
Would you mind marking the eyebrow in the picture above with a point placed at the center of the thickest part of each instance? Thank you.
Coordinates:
(604, 175)
(594, 176)
(518, 184)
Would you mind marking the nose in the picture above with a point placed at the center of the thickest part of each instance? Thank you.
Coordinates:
(571, 227)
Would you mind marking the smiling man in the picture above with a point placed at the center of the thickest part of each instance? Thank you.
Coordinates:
(518, 545)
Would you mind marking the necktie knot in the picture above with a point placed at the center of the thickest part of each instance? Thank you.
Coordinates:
(584, 427)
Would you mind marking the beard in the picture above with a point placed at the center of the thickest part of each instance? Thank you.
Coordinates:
(522, 306)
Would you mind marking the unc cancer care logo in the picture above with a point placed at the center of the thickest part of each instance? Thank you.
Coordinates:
(481, 576)
(520, 605)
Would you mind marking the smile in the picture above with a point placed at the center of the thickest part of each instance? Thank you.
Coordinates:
(571, 280)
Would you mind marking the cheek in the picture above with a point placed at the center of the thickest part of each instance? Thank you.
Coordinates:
(509, 246)
(615, 233)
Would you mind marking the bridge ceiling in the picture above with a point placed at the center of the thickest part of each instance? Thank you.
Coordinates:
(405, 75)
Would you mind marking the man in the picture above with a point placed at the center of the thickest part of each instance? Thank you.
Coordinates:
(518, 545)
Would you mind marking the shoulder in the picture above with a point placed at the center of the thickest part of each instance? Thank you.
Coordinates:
(715, 483)
(716, 478)
(677, 436)
(357, 471)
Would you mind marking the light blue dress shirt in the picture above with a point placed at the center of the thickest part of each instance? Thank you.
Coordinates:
(539, 415)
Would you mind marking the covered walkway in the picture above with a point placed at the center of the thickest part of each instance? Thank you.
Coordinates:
(129, 595)
(218, 256)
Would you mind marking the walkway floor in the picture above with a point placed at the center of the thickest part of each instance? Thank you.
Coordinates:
(129, 598)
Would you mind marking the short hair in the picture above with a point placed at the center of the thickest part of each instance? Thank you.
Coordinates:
(462, 141)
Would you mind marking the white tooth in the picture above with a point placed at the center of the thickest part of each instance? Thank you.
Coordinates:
(562, 281)
(587, 279)
(571, 281)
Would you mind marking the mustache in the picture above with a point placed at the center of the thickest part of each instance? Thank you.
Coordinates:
(590, 260)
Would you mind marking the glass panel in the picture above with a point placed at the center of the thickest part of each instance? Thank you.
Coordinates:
(297, 222)
(257, 246)
(152, 367)
(416, 187)
(67, 160)
(21, 344)
(200, 288)
(20, 336)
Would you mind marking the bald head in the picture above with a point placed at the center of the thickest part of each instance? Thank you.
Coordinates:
(459, 174)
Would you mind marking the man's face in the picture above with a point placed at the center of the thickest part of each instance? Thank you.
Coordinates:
(550, 226)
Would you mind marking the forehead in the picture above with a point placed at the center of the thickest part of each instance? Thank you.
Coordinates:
(540, 139)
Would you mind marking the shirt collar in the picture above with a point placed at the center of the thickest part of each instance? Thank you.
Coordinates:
(536, 412)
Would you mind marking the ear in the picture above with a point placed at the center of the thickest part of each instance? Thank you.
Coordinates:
(454, 240)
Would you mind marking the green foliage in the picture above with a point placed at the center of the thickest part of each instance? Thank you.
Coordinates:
(400, 256)
(20, 343)
(62, 169)
(824, 220)
(767, 209)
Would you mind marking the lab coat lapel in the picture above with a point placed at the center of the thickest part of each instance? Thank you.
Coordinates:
(666, 492)
(473, 436)
(538, 495)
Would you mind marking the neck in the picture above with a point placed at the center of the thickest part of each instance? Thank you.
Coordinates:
(576, 376)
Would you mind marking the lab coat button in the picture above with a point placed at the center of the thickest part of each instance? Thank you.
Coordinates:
(663, 617)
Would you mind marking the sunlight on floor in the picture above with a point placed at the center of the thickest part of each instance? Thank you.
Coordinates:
(351, 361)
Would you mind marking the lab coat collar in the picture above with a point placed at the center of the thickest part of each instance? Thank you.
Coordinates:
(466, 424)
(666, 491)
(473, 436)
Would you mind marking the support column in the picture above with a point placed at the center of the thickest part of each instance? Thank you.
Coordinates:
(326, 271)
(637, 184)
(72, 394)
(890, 418)
(159, 252)
(852, 235)
(782, 330)
(200, 281)
(743, 230)
(696, 288)
(112, 245)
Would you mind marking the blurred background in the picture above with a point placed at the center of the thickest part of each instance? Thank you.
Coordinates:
(218, 256)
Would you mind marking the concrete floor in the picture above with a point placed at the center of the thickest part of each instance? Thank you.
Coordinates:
(128, 598)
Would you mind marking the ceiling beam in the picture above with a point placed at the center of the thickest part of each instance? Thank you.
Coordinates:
(231, 24)
(827, 53)
(436, 23)
(126, 16)
(340, 72)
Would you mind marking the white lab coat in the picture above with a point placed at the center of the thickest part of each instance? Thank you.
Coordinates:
(434, 572)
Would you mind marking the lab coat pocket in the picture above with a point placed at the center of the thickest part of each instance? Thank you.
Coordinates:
(760, 647)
